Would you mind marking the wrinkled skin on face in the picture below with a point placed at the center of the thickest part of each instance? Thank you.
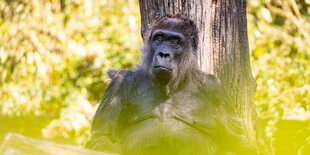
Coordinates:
(167, 105)
(167, 46)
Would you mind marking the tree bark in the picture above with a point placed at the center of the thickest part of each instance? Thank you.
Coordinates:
(223, 50)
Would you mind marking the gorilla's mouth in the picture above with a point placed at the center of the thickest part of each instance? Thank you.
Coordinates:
(162, 72)
(163, 68)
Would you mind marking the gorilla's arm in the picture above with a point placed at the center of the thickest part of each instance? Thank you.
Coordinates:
(105, 121)
(231, 136)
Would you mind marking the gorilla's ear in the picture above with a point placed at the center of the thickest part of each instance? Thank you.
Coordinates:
(112, 72)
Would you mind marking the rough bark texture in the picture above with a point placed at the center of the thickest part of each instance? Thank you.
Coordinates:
(223, 51)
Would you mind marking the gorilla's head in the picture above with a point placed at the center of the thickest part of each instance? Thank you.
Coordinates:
(171, 50)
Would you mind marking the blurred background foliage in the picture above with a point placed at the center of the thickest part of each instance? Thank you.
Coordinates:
(280, 57)
(54, 54)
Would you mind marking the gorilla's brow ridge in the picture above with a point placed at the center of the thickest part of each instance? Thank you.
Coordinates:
(168, 34)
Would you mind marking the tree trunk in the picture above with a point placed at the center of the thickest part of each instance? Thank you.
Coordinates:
(223, 50)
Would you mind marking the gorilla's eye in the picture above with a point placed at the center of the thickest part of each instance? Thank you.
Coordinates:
(159, 39)
(175, 42)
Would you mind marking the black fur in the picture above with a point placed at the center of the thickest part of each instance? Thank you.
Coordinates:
(112, 73)
(170, 109)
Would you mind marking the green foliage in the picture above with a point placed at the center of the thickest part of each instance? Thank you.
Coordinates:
(280, 56)
(53, 60)
(279, 42)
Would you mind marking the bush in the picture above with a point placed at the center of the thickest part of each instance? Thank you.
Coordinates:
(54, 57)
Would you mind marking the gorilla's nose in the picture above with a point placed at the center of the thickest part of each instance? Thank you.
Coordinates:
(164, 55)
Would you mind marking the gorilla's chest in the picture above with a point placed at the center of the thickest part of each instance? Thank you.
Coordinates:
(150, 104)
(167, 123)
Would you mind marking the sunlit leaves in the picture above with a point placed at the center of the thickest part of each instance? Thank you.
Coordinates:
(280, 60)
(53, 61)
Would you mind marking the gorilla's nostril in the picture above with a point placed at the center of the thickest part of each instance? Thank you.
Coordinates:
(161, 54)
(164, 55)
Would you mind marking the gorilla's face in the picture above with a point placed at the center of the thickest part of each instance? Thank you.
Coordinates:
(170, 53)
(166, 45)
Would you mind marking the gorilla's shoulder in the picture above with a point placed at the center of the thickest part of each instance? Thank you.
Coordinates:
(126, 73)
(211, 84)
(126, 78)
(214, 89)
(112, 73)
(210, 80)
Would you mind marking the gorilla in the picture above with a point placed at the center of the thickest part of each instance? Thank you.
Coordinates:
(167, 105)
